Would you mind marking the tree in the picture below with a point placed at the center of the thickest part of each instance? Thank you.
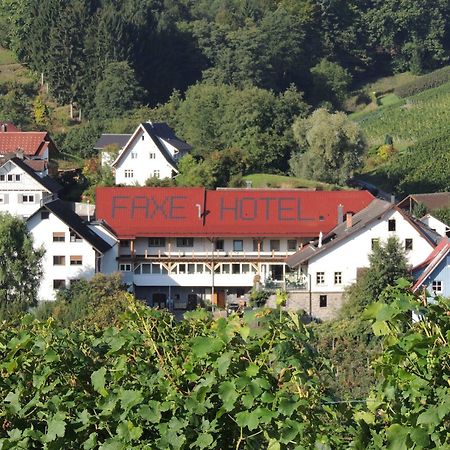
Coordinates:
(331, 147)
(118, 92)
(20, 267)
(330, 83)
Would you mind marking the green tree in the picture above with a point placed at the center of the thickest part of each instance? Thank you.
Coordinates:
(118, 92)
(330, 83)
(20, 267)
(331, 147)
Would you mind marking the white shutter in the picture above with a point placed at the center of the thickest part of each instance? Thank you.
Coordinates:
(37, 197)
(5, 198)
(19, 198)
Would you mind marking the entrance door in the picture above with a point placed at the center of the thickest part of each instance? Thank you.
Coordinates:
(221, 299)
(159, 300)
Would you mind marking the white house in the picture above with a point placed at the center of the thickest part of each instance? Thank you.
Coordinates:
(73, 250)
(326, 267)
(437, 225)
(22, 190)
(151, 151)
(194, 244)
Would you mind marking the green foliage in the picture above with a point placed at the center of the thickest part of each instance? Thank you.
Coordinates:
(155, 382)
(258, 297)
(93, 304)
(96, 175)
(118, 91)
(331, 83)
(80, 140)
(410, 407)
(41, 111)
(331, 147)
(160, 182)
(442, 214)
(16, 103)
(20, 267)
(428, 81)
(420, 210)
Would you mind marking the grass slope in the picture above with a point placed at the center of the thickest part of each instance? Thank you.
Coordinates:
(409, 120)
(262, 180)
(11, 70)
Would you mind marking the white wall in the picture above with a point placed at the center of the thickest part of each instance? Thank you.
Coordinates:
(42, 231)
(142, 165)
(12, 192)
(108, 262)
(353, 253)
(435, 224)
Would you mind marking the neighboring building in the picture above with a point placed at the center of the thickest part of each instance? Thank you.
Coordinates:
(22, 190)
(326, 267)
(193, 244)
(7, 126)
(153, 150)
(73, 249)
(431, 201)
(32, 144)
(433, 274)
(435, 224)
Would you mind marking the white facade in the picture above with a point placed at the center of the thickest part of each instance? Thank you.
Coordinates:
(20, 193)
(436, 225)
(141, 159)
(336, 268)
(68, 257)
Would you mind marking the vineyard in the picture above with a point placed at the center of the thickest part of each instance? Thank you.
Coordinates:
(415, 118)
(250, 383)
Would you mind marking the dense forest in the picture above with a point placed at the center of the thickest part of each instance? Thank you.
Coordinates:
(237, 79)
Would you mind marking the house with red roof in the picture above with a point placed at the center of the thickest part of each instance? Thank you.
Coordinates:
(30, 145)
(193, 244)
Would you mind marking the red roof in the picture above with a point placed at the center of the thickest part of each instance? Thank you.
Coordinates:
(30, 142)
(145, 211)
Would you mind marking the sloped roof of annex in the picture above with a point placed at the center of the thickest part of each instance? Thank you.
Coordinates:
(376, 210)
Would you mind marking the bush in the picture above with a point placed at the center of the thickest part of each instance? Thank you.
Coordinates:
(428, 81)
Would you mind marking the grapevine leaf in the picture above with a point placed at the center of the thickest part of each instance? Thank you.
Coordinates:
(420, 437)
(204, 345)
(204, 440)
(151, 412)
(56, 427)
(429, 417)
(228, 394)
(98, 381)
(397, 437)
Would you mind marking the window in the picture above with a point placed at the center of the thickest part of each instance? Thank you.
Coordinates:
(76, 260)
(17, 177)
(320, 278)
(2, 177)
(134, 155)
(157, 242)
(142, 138)
(408, 244)
(125, 267)
(238, 245)
(255, 245)
(191, 269)
(337, 277)
(391, 224)
(275, 245)
(436, 287)
(323, 301)
(292, 245)
(235, 269)
(74, 237)
(45, 215)
(27, 198)
(375, 243)
(125, 243)
(219, 244)
(185, 242)
(59, 260)
(59, 237)
(156, 173)
(129, 173)
(10, 177)
(156, 269)
(152, 155)
(59, 284)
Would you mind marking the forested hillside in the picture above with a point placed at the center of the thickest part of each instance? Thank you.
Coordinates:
(231, 77)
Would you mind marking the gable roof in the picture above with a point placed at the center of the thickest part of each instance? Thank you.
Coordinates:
(376, 210)
(152, 130)
(61, 210)
(144, 211)
(432, 262)
(163, 131)
(112, 139)
(32, 143)
(46, 182)
(432, 201)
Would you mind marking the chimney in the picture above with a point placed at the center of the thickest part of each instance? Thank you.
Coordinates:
(393, 199)
(248, 184)
(349, 219)
(340, 214)
(4, 127)
(320, 240)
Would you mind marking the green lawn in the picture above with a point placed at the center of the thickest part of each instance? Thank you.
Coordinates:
(7, 57)
(262, 180)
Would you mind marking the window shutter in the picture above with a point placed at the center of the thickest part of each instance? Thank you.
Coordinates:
(19, 198)
(37, 197)
(6, 198)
